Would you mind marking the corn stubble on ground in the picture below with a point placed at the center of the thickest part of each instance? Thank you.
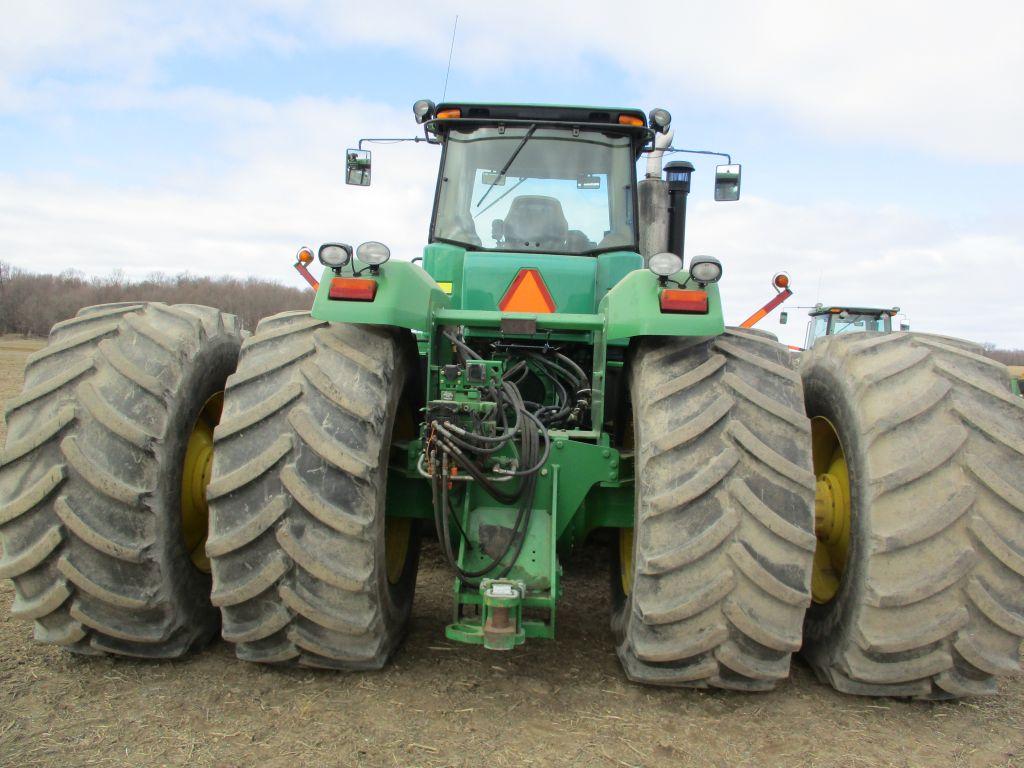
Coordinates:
(549, 703)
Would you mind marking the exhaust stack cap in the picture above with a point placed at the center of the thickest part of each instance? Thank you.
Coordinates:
(677, 174)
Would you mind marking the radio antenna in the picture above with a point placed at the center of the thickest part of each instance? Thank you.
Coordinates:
(450, 52)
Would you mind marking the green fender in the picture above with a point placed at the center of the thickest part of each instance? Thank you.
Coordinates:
(632, 308)
(407, 297)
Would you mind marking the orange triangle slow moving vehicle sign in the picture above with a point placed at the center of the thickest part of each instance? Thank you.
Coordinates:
(528, 293)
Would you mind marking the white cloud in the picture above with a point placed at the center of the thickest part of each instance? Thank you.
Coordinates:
(949, 82)
(945, 77)
(284, 188)
(958, 283)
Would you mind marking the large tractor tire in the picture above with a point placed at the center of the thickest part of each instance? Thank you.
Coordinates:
(306, 568)
(102, 517)
(919, 573)
(716, 573)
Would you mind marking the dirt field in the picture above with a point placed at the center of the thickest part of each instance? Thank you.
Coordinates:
(562, 703)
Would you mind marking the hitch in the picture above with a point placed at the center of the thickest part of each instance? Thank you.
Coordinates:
(500, 623)
(502, 614)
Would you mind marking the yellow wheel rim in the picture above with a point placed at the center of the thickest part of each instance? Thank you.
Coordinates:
(831, 510)
(626, 559)
(397, 533)
(195, 476)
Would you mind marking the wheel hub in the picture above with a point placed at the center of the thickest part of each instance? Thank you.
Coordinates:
(196, 470)
(397, 533)
(832, 510)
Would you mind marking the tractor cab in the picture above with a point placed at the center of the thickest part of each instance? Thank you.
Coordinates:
(833, 321)
(554, 180)
(527, 186)
(546, 188)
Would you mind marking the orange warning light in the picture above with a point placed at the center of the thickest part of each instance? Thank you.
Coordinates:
(528, 293)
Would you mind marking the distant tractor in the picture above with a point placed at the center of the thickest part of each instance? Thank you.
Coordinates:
(539, 376)
(833, 321)
(1017, 377)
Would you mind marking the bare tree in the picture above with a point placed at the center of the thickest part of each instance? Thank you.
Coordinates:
(31, 303)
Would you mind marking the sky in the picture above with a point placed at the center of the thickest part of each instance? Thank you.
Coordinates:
(881, 142)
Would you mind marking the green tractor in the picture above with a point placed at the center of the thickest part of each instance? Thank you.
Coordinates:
(1017, 378)
(833, 321)
(549, 370)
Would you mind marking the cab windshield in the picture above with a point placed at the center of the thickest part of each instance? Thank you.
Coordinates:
(560, 193)
(854, 323)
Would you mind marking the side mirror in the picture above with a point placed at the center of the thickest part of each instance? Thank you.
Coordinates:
(497, 230)
(357, 167)
(727, 182)
(783, 318)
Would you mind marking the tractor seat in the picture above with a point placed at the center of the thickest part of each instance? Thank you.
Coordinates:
(536, 222)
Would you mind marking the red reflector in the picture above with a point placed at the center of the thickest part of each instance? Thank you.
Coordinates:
(352, 289)
(690, 302)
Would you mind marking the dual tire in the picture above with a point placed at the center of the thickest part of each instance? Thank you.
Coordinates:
(719, 574)
(891, 554)
(91, 479)
(931, 601)
(299, 542)
(101, 477)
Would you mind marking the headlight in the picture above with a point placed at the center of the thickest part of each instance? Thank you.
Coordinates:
(423, 109)
(705, 269)
(373, 253)
(665, 264)
(335, 255)
(660, 119)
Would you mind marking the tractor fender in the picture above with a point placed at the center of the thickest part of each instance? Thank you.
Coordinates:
(632, 308)
(406, 297)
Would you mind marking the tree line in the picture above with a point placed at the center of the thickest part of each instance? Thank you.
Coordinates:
(1005, 356)
(30, 302)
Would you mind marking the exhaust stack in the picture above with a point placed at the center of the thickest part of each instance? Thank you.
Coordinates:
(677, 177)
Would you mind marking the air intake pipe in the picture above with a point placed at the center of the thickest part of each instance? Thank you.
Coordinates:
(653, 198)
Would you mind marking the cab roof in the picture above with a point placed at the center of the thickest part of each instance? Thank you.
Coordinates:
(560, 114)
(891, 311)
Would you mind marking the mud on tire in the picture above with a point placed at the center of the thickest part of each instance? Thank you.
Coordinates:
(297, 496)
(90, 478)
(723, 540)
(931, 603)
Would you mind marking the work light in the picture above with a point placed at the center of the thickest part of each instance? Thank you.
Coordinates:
(665, 264)
(705, 269)
(660, 119)
(373, 253)
(335, 255)
(423, 109)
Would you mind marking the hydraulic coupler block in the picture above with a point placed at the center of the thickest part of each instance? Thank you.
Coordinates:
(502, 613)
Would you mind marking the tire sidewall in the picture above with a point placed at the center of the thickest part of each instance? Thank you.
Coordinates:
(396, 598)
